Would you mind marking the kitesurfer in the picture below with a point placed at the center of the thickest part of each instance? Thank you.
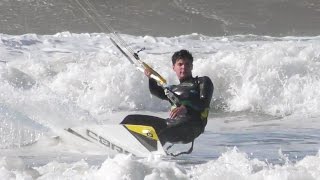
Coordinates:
(188, 119)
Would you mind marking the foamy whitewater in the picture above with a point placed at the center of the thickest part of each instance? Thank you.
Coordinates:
(264, 118)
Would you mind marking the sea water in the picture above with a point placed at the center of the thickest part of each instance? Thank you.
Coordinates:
(264, 116)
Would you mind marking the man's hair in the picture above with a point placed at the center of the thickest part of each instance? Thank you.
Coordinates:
(182, 54)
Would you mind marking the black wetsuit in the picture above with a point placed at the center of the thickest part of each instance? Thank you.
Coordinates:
(195, 94)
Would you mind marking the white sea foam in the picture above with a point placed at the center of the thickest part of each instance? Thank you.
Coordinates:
(50, 82)
(275, 76)
(230, 165)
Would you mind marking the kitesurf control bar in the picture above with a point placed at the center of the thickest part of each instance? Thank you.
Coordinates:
(142, 66)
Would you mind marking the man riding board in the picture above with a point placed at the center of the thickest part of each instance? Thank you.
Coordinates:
(187, 119)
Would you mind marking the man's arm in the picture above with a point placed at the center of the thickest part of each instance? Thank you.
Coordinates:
(156, 90)
(206, 90)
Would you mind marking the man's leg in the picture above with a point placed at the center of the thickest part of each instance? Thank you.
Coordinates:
(182, 133)
(137, 119)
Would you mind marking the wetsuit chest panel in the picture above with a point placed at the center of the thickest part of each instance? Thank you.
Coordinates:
(187, 91)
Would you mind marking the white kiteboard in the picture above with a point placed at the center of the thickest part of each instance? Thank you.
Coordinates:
(138, 140)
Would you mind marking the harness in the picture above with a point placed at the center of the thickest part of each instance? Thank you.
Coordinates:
(180, 153)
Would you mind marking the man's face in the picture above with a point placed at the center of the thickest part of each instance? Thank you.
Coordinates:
(183, 68)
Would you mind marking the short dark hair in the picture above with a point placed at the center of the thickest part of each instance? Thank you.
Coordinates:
(182, 54)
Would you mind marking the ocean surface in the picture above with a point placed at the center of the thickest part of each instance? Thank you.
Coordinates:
(58, 69)
(163, 18)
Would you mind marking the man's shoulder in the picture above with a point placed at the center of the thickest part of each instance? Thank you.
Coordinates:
(204, 79)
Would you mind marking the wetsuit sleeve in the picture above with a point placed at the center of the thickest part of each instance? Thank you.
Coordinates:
(205, 91)
(156, 90)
